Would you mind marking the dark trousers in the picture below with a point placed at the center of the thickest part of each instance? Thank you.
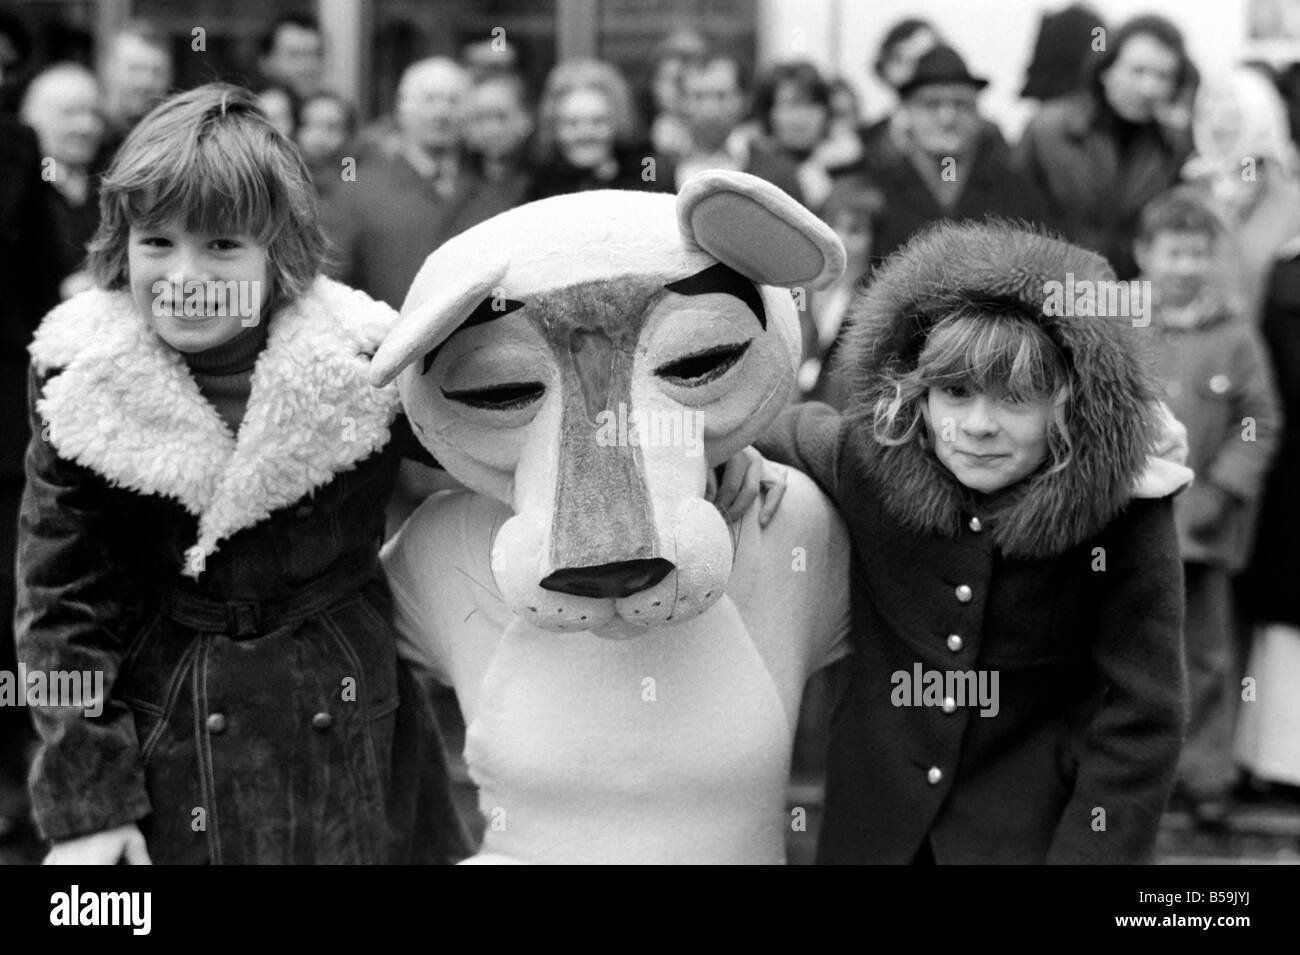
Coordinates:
(1205, 769)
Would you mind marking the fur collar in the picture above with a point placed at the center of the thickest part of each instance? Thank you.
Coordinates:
(123, 404)
(1112, 414)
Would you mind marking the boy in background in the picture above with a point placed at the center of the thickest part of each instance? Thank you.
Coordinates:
(1218, 382)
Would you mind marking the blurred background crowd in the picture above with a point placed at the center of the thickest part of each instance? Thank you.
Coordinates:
(419, 120)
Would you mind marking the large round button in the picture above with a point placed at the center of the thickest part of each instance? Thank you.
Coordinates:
(217, 723)
(964, 593)
(954, 642)
(934, 776)
(949, 705)
(975, 525)
(322, 721)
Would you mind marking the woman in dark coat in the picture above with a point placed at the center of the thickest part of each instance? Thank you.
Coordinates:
(1102, 153)
(1017, 689)
(586, 136)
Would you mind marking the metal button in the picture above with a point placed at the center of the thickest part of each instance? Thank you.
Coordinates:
(217, 723)
(949, 705)
(964, 594)
(934, 776)
(954, 642)
(322, 721)
(975, 525)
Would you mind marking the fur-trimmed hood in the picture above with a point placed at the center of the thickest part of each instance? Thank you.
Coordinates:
(1111, 414)
(122, 403)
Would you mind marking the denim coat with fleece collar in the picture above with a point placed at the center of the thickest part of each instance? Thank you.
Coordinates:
(227, 587)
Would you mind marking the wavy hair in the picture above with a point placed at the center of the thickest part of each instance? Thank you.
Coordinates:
(1005, 354)
(573, 75)
(209, 161)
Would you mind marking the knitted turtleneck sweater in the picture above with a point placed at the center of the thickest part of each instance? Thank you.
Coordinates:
(224, 374)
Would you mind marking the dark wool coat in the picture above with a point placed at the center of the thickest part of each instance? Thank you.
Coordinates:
(1216, 377)
(1095, 190)
(1067, 587)
(228, 590)
(30, 272)
(991, 187)
(1270, 584)
(561, 178)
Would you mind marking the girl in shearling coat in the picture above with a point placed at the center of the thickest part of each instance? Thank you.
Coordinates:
(201, 524)
(1016, 690)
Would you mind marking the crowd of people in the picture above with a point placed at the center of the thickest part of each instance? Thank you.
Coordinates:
(1187, 181)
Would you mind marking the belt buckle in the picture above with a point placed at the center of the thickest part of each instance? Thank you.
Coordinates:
(243, 620)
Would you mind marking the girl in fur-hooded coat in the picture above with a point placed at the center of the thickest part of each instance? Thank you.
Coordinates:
(1061, 593)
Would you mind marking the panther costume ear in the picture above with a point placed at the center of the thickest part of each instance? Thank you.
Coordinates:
(740, 220)
(758, 230)
(423, 329)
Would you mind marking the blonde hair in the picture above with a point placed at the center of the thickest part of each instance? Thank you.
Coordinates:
(999, 353)
(210, 161)
(571, 76)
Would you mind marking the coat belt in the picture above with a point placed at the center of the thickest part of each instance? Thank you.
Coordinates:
(247, 619)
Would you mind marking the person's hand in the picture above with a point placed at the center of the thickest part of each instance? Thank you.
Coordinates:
(102, 848)
(744, 477)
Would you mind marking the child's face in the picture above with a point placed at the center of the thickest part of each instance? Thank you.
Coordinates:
(987, 441)
(1178, 263)
(197, 291)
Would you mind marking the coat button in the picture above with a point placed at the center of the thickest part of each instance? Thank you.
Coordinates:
(954, 643)
(934, 776)
(949, 705)
(322, 721)
(964, 594)
(303, 511)
(217, 723)
(1220, 384)
(975, 525)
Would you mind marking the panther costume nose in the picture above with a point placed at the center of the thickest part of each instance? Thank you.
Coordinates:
(605, 581)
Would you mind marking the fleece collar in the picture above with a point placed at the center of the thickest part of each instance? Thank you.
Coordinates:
(125, 405)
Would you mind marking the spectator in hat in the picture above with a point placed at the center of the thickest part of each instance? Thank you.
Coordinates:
(943, 162)
(1102, 153)
(1064, 44)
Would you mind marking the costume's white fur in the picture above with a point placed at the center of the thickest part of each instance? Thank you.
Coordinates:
(655, 725)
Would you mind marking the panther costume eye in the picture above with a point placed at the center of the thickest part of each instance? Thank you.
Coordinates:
(508, 397)
(704, 366)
